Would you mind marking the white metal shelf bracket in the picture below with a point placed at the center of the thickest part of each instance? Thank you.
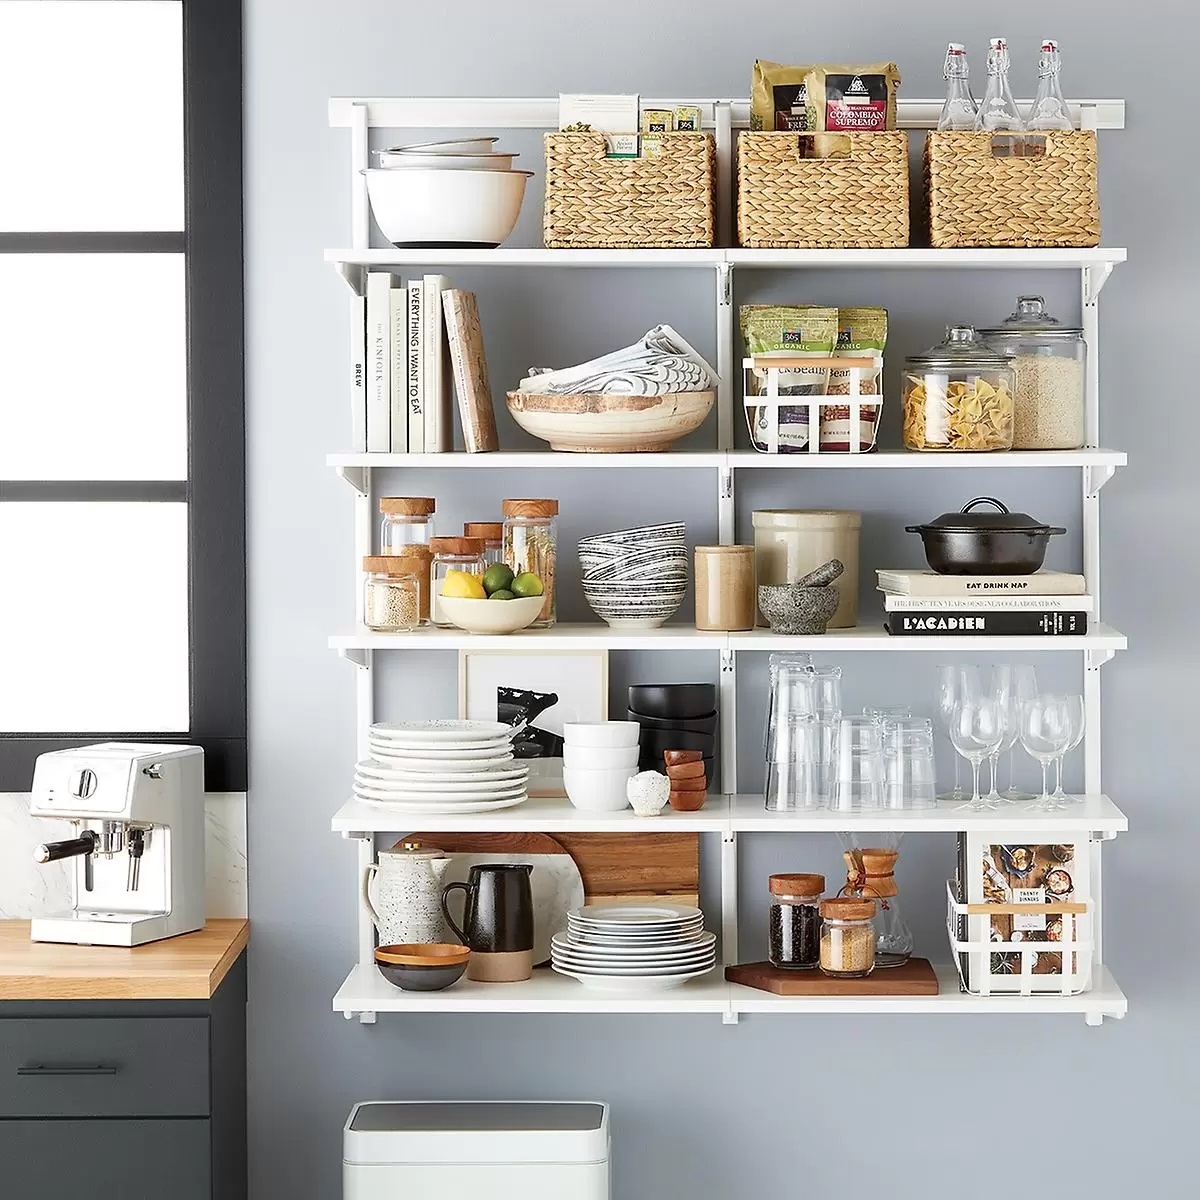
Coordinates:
(1097, 658)
(359, 657)
(725, 512)
(1096, 477)
(359, 478)
(1096, 277)
(355, 274)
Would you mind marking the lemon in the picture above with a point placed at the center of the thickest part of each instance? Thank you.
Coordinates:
(527, 584)
(502, 594)
(497, 578)
(462, 585)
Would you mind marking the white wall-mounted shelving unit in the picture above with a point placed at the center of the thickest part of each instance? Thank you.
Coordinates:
(730, 814)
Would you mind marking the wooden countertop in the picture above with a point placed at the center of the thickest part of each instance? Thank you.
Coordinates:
(188, 967)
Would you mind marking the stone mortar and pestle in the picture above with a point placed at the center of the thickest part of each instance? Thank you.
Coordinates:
(803, 607)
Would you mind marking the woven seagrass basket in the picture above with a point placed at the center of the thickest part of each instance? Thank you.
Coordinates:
(977, 198)
(787, 201)
(665, 201)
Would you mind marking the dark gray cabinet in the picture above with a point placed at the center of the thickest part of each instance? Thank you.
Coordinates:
(136, 1100)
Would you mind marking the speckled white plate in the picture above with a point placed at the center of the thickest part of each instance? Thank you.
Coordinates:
(442, 733)
(442, 808)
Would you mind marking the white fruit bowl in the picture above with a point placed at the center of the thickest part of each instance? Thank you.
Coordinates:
(491, 616)
(608, 423)
(434, 208)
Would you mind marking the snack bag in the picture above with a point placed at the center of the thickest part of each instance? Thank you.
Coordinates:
(862, 333)
(778, 97)
(850, 99)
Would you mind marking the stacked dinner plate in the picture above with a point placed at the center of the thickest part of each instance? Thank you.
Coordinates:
(441, 767)
(634, 947)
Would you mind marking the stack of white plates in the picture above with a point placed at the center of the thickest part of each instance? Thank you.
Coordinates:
(441, 767)
(627, 947)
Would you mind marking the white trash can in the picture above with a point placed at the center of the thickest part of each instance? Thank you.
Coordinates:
(461, 1150)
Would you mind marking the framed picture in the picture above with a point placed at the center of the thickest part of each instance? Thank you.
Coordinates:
(547, 689)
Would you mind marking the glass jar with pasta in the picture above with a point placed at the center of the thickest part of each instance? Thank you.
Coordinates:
(958, 396)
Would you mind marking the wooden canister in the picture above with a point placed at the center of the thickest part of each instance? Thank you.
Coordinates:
(725, 595)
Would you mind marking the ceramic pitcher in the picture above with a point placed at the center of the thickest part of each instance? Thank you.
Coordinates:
(497, 921)
(407, 902)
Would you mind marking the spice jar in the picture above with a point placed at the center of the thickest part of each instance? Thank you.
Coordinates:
(725, 595)
(531, 544)
(871, 875)
(452, 554)
(390, 598)
(1049, 360)
(795, 921)
(407, 521)
(847, 937)
(958, 396)
(492, 534)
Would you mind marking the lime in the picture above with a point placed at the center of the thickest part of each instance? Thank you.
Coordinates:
(527, 584)
(462, 585)
(503, 594)
(497, 578)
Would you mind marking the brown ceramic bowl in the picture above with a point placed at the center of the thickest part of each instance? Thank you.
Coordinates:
(422, 966)
(676, 758)
(698, 784)
(687, 801)
(686, 770)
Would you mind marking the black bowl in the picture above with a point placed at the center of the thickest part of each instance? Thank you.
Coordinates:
(652, 761)
(655, 741)
(669, 700)
(704, 724)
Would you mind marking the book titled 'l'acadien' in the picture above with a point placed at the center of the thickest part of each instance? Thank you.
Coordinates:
(987, 624)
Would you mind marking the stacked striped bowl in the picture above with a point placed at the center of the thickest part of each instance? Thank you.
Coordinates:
(635, 578)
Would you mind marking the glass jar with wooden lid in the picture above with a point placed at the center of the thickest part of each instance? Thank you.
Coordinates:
(794, 933)
(847, 937)
(407, 521)
(418, 561)
(492, 533)
(531, 547)
(391, 598)
(725, 595)
(463, 554)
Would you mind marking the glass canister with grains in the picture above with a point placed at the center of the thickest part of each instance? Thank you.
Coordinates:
(531, 548)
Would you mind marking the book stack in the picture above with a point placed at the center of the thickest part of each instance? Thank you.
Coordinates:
(409, 340)
(1046, 603)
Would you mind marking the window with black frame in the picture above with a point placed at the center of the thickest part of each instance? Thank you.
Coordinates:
(122, 464)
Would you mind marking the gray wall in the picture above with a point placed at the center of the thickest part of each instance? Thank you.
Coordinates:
(699, 1109)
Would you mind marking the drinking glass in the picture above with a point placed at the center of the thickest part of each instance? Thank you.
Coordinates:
(1045, 732)
(1024, 689)
(1002, 690)
(1077, 720)
(800, 690)
(858, 785)
(881, 713)
(908, 771)
(976, 729)
(954, 680)
(800, 772)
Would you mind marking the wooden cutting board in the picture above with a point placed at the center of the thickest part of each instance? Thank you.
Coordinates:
(915, 978)
(616, 867)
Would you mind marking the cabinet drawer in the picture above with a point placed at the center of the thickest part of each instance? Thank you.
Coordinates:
(133, 1160)
(104, 1067)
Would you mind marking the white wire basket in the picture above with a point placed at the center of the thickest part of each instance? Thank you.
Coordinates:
(987, 966)
(843, 424)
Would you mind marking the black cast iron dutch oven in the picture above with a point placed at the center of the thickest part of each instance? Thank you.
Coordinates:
(985, 543)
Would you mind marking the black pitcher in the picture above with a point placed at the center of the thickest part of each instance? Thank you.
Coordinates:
(497, 921)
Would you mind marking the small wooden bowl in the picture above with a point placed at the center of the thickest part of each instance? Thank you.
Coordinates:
(687, 801)
(422, 954)
(674, 758)
(699, 784)
(688, 770)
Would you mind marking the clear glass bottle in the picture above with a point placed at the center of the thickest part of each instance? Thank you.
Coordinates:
(871, 876)
(452, 554)
(391, 598)
(847, 937)
(794, 929)
(998, 110)
(531, 545)
(1049, 110)
(492, 533)
(960, 108)
(407, 521)
(1049, 361)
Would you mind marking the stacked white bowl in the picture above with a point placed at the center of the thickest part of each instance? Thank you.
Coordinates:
(453, 193)
(635, 578)
(599, 759)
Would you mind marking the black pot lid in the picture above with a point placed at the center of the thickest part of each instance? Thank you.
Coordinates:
(1031, 317)
(999, 521)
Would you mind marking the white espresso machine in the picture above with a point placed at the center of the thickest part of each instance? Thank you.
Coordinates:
(138, 849)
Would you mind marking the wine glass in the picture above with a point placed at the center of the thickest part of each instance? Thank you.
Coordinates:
(1077, 719)
(976, 730)
(953, 682)
(1045, 731)
(1002, 690)
(1024, 689)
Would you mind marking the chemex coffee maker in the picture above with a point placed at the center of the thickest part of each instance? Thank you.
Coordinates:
(138, 813)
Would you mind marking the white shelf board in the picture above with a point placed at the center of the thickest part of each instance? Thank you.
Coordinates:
(365, 990)
(533, 256)
(873, 637)
(539, 814)
(1096, 814)
(589, 636)
(879, 460)
(1104, 1000)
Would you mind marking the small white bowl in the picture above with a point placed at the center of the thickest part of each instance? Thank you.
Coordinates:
(648, 793)
(600, 758)
(491, 616)
(598, 791)
(601, 733)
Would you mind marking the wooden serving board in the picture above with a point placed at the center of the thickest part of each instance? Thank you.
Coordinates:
(616, 867)
(915, 978)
